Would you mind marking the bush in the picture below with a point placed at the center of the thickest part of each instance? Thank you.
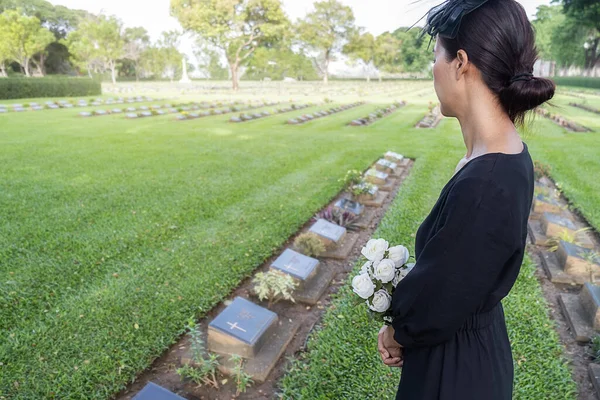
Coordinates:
(22, 88)
(309, 244)
(580, 81)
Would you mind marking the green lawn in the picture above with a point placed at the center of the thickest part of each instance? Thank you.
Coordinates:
(113, 232)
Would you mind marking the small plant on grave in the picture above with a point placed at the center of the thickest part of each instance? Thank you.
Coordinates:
(242, 379)
(362, 188)
(339, 217)
(309, 244)
(353, 177)
(540, 169)
(565, 236)
(201, 371)
(274, 286)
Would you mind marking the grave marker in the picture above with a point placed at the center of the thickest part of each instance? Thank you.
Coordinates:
(348, 205)
(553, 224)
(330, 234)
(301, 267)
(241, 328)
(577, 260)
(154, 392)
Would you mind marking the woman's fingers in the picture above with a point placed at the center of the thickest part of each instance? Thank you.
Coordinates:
(394, 362)
(382, 350)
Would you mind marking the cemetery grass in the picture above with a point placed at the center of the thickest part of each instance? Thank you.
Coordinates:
(342, 359)
(115, 232)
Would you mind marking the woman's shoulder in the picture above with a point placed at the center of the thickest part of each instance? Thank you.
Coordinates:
(494, 176)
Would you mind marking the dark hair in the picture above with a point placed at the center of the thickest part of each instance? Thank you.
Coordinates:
(500, 41)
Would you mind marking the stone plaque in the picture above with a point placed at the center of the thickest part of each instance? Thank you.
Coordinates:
(542, 204)
(590, 299)
(386, 166)
(18, 109)
(296, 264)
(330, 233)
(553, 224)
(577, 260)
(85, 114)
(116, 111)
(100, 112)
(146, 114)
(131, 115)
(67, 105)
(37, 108)
(376, 177)
(130, 109)
(53, 106)
(3, 110)
(348, 205)
(241, 328)
(144, 108)
(154, 392)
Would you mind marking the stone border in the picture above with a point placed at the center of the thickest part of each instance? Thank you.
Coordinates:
(250, 117)
(432, 119)
(185, 116)
(60, 104)
(561, 121)
(378, 114)
(323, 113)
(585, 108)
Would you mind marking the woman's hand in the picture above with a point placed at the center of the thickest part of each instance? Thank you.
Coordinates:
(392, 353)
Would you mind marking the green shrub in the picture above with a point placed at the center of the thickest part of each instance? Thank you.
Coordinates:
(22, 88)
(580, 81)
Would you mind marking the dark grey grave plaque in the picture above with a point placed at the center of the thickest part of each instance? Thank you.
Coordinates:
(154, 392)
(331, 233)
(298, 265)
(348, 205)
(240, 328)
(590, 299)
(553, 224)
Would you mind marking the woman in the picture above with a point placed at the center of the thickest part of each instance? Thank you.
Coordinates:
(448, 330)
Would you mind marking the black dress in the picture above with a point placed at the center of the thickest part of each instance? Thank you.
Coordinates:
(447, 310)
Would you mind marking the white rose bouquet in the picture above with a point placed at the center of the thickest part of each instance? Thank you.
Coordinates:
(385, 267)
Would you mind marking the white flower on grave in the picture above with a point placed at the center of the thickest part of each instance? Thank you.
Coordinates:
(385, 270)
(381, 301)
(367, 268)
(363, 286)
(375, 249)
(399, 254)
(401, 274)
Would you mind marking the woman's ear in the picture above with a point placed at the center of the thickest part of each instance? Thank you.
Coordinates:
(463, 63)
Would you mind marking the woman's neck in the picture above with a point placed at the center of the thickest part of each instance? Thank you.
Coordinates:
(487, 129)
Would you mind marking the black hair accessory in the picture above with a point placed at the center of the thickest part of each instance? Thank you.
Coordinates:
(527, 76)
(445, 19)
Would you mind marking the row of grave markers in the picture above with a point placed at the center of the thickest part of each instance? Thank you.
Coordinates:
(574, 263)
(58, 104)
(258, 334)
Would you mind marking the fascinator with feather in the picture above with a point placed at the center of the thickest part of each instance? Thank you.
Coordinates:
(445, 19)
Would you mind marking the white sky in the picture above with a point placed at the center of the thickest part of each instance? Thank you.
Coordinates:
(376, 16)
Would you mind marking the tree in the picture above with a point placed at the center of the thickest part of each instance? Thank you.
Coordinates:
(23, 38)
(171, 57)
(587, 15)
(136, 41)
(387, 55)
(324, 31)
(361, 47)
(235, 27)
(415, 53)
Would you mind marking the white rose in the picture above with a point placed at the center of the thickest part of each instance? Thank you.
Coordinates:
(375, 249)
(363, 286)
(399, 254)
(381, 301)
(366, 268)
(401, 274)
(385, 270)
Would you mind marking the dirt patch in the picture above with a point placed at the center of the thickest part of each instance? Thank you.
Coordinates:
(163, 369)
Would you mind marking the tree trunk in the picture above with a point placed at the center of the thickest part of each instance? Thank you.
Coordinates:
(113, 70)
(3, 70)
(137, 78)
(234, 76)
(26, 67)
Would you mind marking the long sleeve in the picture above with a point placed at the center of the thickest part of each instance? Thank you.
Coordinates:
(459, 266)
